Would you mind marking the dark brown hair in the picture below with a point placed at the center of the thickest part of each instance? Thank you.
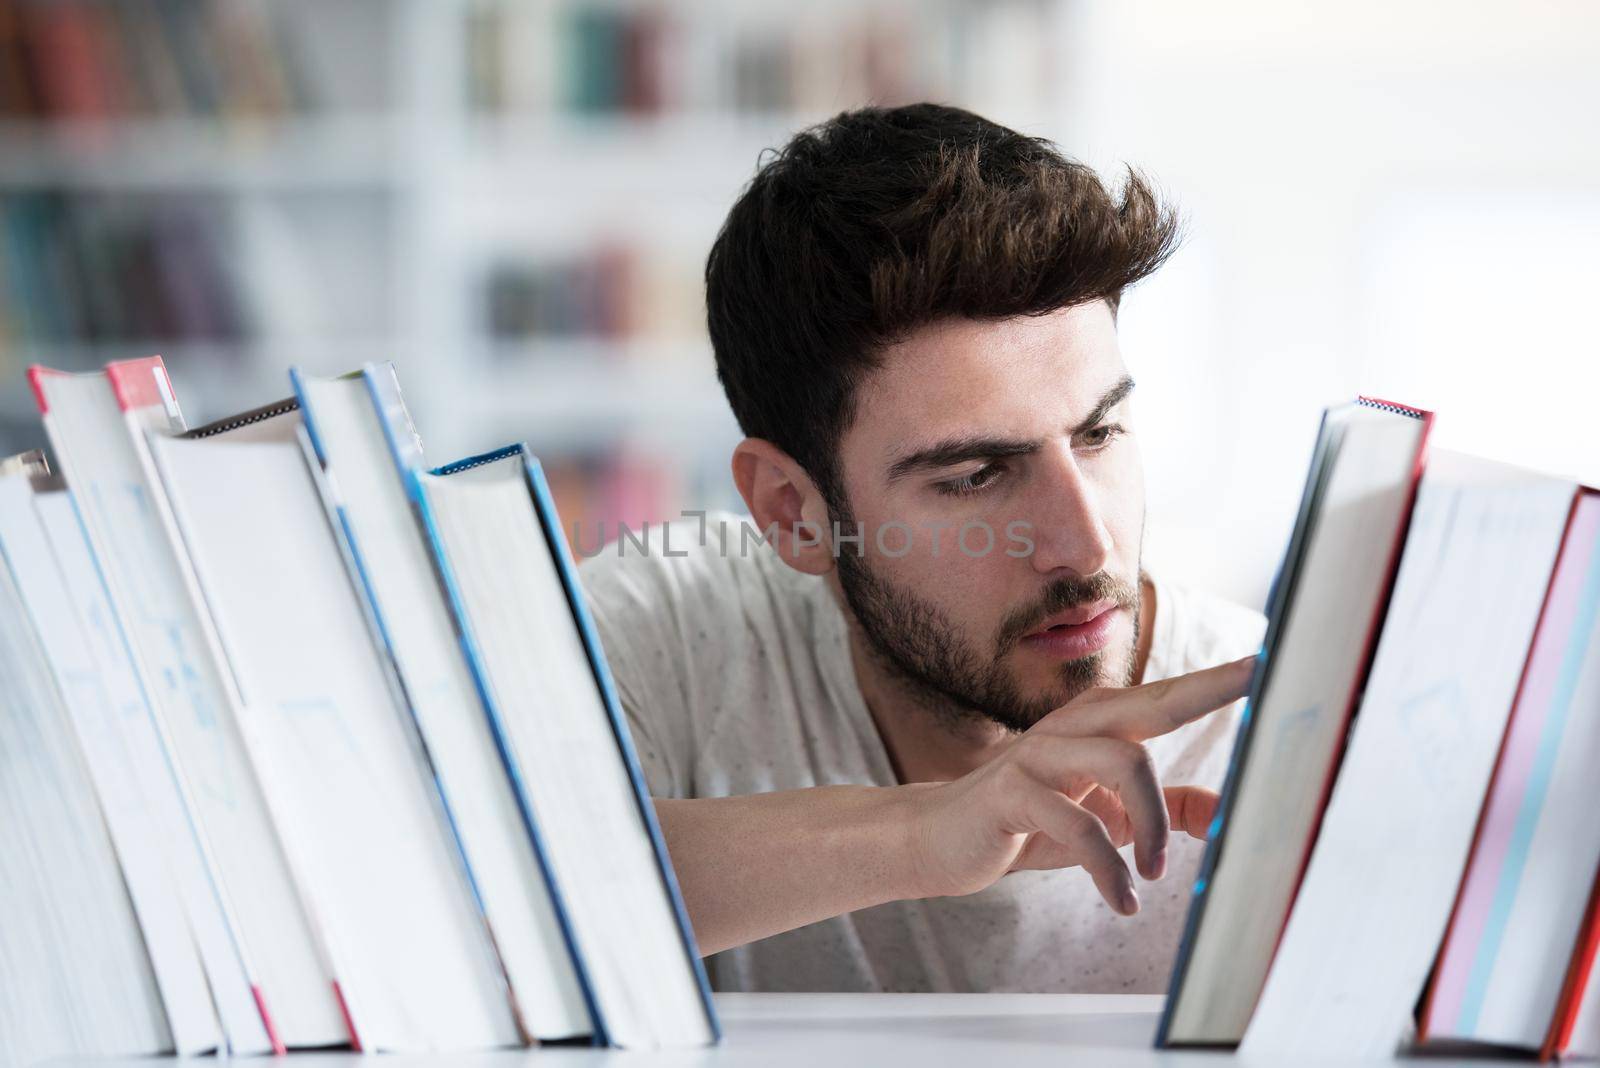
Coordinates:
(883, 220)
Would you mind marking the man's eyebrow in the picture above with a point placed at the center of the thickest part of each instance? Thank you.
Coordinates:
(958, 450)
(1113, 397)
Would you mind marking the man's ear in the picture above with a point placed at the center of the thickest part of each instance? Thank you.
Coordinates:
(785, 504)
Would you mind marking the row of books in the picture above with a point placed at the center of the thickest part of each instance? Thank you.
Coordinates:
(309, 744)
(599, 492)
(611, 291)
(557, 56)
(99, 59)
(1406, 851)
(92, 269)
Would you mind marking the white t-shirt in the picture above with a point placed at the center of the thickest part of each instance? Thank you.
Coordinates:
(735, 675)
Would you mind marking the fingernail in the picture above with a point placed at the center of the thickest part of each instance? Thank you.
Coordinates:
(1130, 901)
(1158, 863)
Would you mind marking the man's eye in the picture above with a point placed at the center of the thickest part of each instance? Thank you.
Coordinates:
(1102, 435)
(966, 484)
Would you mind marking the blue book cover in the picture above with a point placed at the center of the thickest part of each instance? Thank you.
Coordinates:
(1278, 598)
(408, 455)
(550, 521)
(321, 464)
(407, 450)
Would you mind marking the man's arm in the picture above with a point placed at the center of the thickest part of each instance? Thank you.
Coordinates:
(753, 866)
(1068, 792)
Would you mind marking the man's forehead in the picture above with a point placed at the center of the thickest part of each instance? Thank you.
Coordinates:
(1033, 375)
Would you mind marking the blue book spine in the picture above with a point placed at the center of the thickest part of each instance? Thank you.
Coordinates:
(1277, 608)
(350, 550)
(406, 449)
(544, 504)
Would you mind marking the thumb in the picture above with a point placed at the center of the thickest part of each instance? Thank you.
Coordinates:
(1191, 809)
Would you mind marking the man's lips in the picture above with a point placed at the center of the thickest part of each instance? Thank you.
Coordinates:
(1075, 633)
(1073, 617)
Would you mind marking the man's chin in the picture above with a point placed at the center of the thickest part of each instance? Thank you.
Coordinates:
(1058, 682)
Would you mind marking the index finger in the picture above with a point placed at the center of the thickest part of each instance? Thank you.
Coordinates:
(1155, 708)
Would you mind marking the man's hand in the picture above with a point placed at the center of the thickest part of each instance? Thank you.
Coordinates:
(1070, 791)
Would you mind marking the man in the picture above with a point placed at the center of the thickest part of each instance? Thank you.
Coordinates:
(896, 748)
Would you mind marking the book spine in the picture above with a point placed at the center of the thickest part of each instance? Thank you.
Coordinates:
(356, 569)
(406, 450)
(1277, 608)
(562, 555)
(139, 419)
(1375, 622)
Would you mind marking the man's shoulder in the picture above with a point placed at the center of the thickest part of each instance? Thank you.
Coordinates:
(1197, 628)
(695, 617)
(697, 556)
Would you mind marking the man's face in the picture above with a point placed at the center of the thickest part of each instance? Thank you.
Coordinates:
(994, 474)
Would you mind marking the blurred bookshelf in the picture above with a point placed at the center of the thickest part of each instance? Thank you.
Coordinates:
(510, 199)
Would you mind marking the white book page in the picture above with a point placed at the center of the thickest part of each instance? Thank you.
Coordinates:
(147, 757)
(407, 944)
(1298, 722)
(1394, 841)
(551, 708)
(135, 831)
(427, 654)
(74, 976)
(122, 510)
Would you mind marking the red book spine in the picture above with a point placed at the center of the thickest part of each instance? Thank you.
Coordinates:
(68, 62)
(140, 383)
(1580, 971)
(266, 1021)
(1425, 1012)
(36, 376)
(349, 1021)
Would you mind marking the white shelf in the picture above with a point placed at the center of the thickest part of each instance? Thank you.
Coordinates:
(682, 131)
(618, 395)
(188, 154)
(561, 355)
(694, 156)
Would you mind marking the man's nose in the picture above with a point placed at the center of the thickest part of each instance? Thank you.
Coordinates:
(1069, 529)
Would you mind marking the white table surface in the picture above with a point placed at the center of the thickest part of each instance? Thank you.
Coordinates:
(846, 1030)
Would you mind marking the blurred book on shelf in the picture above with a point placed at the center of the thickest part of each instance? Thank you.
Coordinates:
(652, 59)
(611, 290)
(94, 269)
(81, 271)
(585, 295)
(76, 59)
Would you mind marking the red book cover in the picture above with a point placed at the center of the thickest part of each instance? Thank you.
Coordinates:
(1580, 972)
(1577, 968)
(142, 383)
(69, 61)
(17, 96)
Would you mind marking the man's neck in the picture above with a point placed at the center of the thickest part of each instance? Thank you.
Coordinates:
(926, 747)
